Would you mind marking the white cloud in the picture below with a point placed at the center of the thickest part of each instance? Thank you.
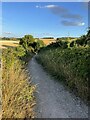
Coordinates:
(40, 6)
(55, 9)
(37, 6)
(70, 23)
(51, 6)
(47, 6)
(81, 24)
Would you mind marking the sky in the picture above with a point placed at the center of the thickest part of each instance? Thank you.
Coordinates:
(44, 19)
(45, 0)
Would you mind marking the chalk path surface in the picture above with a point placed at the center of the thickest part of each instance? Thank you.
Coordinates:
(52, 99)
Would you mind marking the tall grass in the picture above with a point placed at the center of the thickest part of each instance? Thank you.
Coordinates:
(70, 65)
(17, 99)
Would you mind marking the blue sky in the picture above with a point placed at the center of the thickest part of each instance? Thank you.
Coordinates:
(42, 19)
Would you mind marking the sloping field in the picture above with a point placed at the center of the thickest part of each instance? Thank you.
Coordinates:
(48, 41)
(7, 43)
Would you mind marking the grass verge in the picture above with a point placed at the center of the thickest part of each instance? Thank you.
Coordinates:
(17, 99)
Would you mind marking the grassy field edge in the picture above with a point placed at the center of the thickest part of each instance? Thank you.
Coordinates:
(18, 100)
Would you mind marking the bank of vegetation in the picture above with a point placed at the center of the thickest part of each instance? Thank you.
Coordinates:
(18, 99)
(69, 62)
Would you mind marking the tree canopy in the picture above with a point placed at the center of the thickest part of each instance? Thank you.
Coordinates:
(31, 44)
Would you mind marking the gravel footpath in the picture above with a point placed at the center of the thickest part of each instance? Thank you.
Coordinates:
(53, 100)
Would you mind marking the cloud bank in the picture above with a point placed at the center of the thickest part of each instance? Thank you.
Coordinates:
(72, 16)
(64, 14)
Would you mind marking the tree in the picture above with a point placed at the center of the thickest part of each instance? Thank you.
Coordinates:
(39, 44)
(27, 41)
(31, 44)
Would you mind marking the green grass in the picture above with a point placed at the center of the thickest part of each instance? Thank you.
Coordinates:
(17, 100)
(70, 65)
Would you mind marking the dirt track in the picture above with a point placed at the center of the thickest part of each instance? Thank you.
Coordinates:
(53, 100)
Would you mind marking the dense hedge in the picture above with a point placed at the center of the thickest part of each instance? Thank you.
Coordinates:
(71, 65)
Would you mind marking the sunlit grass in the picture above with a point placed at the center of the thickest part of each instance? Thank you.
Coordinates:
(17, 99)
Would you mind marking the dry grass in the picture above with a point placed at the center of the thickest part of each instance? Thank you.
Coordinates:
(17, 98)
(0, 112)
(7, 43)
(48, 41)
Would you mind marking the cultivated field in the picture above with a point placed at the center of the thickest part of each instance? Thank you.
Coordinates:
(48, 41)
(7, 43)
(11, 43)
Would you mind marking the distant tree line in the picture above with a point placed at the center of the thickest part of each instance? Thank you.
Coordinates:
(48, 38)
(9, 38)
(65, 38)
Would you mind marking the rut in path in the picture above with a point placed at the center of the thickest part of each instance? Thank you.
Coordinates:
(53, 100)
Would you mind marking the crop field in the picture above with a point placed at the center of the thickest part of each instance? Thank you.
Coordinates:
(48, 41)
(7, 43)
